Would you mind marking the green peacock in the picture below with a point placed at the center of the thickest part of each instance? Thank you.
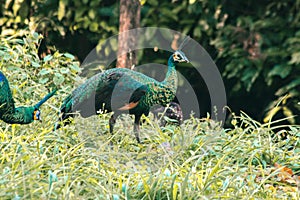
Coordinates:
(17, 115)
(122, 90)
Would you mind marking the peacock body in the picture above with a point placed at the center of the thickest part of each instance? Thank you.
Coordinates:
(123, 91)
(17, 115)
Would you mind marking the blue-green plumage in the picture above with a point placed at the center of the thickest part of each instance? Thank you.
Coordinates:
(17, 115)
(123, 91)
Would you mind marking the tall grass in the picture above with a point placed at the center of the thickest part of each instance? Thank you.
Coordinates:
(198, 160)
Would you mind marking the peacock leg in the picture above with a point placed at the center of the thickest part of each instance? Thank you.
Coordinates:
(136, 128)
(112, 122)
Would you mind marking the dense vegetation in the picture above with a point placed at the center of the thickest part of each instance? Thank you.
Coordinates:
(198, 160)
(255, 45)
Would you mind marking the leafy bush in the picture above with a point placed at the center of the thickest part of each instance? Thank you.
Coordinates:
(29, 74)
(259, 50)
(198, 160)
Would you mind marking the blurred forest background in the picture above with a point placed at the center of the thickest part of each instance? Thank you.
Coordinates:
(256, 45)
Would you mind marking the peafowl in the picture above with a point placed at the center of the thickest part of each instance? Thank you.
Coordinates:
(17, 115)
(122, 90)
(172, 112)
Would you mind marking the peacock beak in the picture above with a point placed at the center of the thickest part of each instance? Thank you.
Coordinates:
(186, 59)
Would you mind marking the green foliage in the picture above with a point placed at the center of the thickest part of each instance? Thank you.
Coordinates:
(255, 45)
(260, 48)
(199, 19)
(60, 15)
(198, 160)
(61, 20)
(27, 72)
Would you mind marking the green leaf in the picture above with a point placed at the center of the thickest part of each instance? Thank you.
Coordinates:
(142, 2)
(44, 72)
(75, 67)
(48, 58)
(116, 197)
(35, 64)
(92, 14)
(249, 76)
(288, 87)
(16, 6)
(79, 13)
(58, 79)
(36, 35)
(64, 70)
(153, 2)
(280, 70)
(167, 14)
(61, 10)
(43, 80)
(197, 32)
(68, 55)
(295, 58)
(288, 113)
(93, 27)
(24, 10)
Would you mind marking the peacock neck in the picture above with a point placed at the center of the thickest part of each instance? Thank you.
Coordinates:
(21, 115)
(171, 77)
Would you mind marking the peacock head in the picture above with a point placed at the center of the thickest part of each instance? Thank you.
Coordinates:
(33, 114)
(37, 115)
(26, 115)
(179, 56)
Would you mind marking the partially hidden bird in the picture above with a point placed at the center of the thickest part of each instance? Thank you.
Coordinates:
(11, 114)
(122, 90)
(171, 114)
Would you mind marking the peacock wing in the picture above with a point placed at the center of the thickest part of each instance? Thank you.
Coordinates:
(7, 104)
(119, 91)
(82, 98)
(106, 91)
(135, 97)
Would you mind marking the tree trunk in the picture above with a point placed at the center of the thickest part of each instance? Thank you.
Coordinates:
(130, 11)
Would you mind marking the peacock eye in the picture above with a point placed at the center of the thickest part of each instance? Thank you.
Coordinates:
(177, 57)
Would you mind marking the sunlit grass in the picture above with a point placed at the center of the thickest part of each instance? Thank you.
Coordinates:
(197, 160)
